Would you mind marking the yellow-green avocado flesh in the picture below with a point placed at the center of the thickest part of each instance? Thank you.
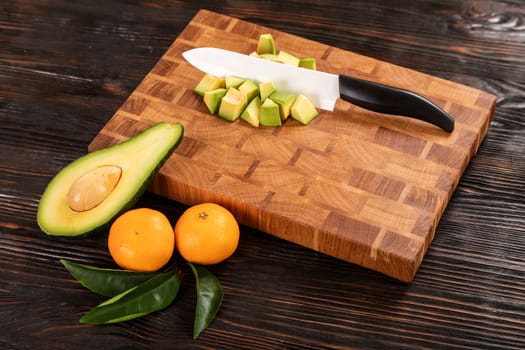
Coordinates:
(139, 158)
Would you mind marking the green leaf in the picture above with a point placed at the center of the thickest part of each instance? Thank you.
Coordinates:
(152, 295)
(107, 282)
(209, 298)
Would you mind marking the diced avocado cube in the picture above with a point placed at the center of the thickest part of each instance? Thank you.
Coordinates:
(266, 89)
(269, 113)
(266, 44)
(212, 99)
(208, 83)
(285, 101)
(250, 89)
(303, 110)
(288, 58)
(232, 104)
(252, 112)
(233, 82)
(308, 62)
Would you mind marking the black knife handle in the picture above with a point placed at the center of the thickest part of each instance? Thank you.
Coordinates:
(391, 100)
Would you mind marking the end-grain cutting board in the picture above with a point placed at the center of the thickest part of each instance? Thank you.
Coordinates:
(364, 187)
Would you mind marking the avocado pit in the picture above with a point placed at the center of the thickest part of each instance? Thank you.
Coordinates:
(93, 187)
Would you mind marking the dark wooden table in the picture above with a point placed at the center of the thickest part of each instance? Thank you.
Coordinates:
(66, 66)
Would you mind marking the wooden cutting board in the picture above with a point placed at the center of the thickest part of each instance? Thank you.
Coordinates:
(364, 187)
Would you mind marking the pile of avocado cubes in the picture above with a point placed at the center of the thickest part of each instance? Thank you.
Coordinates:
(258, 103)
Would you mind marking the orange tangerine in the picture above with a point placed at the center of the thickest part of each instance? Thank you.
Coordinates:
(206, 234)
(141, 240)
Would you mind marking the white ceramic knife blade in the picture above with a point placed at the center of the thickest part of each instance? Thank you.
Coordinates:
(323, 89)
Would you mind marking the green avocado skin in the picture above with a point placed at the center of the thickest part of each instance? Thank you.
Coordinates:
(97, 224)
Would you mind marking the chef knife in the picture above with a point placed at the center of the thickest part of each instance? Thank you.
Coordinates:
(322, 88)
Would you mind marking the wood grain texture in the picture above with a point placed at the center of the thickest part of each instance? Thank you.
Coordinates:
(66, 67)
(363, 187)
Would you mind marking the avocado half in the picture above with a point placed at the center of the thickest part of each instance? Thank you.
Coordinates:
(139, 159)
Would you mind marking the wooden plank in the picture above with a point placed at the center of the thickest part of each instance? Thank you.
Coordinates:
(364, 187)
